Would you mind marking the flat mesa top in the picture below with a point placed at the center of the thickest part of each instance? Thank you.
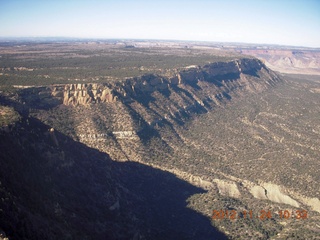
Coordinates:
(37, 62)
(33, 63)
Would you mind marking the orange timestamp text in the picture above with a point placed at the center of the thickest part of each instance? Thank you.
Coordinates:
(262, 215)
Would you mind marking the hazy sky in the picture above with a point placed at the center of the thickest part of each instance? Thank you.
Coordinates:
(289, 22)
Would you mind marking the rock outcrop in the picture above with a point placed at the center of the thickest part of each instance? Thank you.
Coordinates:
(296, 61)
(213, 81)
(219, 75)
(84, 94)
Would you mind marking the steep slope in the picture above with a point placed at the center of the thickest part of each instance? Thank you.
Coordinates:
(112, 117)
(55, 187)
(52, 187)
(179, 124)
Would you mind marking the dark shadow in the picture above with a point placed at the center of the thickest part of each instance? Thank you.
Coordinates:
(196, 108)
(39, 98)
(178, 90)
(22, 109)
(208, 103)
(250, 67)
(164, 205)
(70, 191)
(144, 98)
(217, 79)
(148, 132)
(227, 96)
(165, 92)
(252, 72)
(193, 84)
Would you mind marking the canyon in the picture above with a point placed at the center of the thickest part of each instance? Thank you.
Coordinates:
(151, 156)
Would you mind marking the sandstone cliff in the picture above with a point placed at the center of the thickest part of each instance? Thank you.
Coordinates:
(218, 78)
(86, 93)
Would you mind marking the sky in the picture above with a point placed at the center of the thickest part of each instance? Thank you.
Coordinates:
(284, 22)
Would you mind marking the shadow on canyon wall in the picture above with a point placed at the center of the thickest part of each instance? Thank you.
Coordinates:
(54, 187)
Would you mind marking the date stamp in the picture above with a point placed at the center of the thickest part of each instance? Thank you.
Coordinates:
(262, 215)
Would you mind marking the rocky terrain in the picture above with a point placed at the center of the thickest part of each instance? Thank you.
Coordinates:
(152, 156)
(220, 77)
(298, 61)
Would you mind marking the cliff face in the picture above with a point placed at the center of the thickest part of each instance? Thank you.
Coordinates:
(87, 93)
(63, 155)
(102, 113)
(199, 83)
(138, 103)
(289, 60)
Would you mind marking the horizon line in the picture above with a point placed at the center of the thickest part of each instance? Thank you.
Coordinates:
(153, 39)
